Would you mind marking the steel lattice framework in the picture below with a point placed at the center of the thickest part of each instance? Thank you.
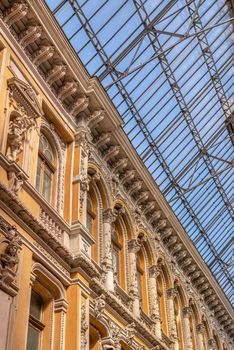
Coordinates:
(168, 68)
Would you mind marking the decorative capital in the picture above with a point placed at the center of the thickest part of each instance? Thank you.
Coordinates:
(187, 312)
(109, 216)
(154, 271)
(133, 246)
(200, 329)
(171, 293)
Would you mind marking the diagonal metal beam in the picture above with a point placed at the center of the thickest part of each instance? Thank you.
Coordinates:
(191, 125)
(135, 41)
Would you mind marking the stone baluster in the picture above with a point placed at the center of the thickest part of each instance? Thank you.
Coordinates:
(200, 330)
(108, 219)
(187, 312)
(155, 314)
(133, 248)
(171, 293)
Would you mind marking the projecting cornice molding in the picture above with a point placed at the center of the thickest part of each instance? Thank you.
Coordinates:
(74, 92)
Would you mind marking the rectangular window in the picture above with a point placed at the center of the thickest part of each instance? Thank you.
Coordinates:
(33, 338)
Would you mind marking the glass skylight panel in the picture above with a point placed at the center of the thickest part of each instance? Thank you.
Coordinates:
(116, 24)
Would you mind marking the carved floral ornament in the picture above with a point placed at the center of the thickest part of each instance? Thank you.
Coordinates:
(10, 244)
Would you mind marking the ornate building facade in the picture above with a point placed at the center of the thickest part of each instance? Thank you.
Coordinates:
(91, 255)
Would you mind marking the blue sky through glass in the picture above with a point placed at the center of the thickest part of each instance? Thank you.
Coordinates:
(151, 99)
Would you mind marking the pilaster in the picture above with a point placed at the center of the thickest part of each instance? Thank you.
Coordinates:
(155, 315)
(171, 293)
(133, 248)
(187, 312)
(108, 218)
(80, 183)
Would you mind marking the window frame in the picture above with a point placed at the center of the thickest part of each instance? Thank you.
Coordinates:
(42, 171)
(34, 322)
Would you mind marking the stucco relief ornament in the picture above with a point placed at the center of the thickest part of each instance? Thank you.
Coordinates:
(130, 332)
(99, 306)
(16, 134)
(84, 328)
(15, 181)
(10, 244)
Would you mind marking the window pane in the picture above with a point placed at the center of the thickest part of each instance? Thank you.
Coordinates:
(33, 338)
(116, 261)
(139, 285)
(49, 155)
(47, 180)
(38, 176)
(36, 305)
(89, 222)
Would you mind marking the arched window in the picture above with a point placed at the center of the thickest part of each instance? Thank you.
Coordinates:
(139, 279)
(35, 326)
(116, 248)
(45, 169)
(161, 283)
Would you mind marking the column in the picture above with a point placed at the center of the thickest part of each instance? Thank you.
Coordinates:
(133, 248)
(200, 330)
(187, 312)
(108, 219)
(80, 174)
(171, 293)
(155, 314)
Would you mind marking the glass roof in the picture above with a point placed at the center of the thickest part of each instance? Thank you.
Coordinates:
(168, 68)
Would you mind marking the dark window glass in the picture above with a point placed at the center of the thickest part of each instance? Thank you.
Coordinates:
(45, 169)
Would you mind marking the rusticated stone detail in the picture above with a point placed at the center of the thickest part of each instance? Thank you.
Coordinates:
(44, 53)
(31, 34)
(16, 12)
